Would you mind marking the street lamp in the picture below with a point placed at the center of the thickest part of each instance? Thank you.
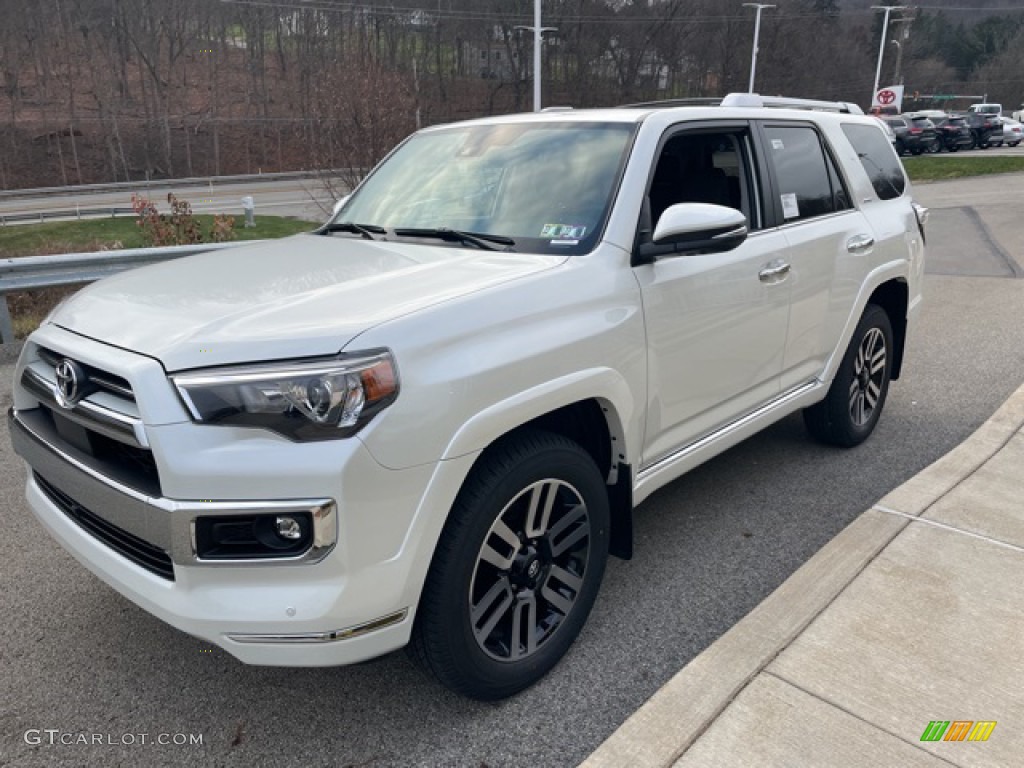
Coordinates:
(899, 61)
(537, 30)
(881, 46)
(757, 33)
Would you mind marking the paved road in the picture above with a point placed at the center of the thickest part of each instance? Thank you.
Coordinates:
(76, 657)
(305, 199)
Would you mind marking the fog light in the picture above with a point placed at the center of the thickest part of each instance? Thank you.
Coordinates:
(288, 528)
(249, 537)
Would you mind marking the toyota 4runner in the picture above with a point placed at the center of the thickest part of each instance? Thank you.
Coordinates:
(427, 422)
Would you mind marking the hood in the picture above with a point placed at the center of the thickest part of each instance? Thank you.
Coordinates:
(300, 296)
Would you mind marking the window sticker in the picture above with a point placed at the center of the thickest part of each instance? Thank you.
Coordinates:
(790, 207)
(777, 144)
(574, 232)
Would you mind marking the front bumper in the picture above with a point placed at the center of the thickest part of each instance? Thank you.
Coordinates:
(165, 525)
(312, 610)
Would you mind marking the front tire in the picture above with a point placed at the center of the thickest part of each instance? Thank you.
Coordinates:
(517, 567)
(853, 405)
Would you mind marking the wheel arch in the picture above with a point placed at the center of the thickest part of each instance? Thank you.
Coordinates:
(594, 424)
(594, 408)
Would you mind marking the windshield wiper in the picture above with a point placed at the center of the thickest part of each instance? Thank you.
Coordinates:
(367, 231)
(480, 240)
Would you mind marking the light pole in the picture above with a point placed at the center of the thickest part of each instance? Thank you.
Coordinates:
(757, 33)
(537, 30)
(899, 61)
(881, 46)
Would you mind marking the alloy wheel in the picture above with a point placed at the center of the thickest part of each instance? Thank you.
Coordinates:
(530, 570)
(868, 377)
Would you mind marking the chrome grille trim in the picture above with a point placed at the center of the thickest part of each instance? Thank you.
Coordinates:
(114, 425)
(104, 380)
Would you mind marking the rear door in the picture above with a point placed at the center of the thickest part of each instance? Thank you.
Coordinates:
(829, 243)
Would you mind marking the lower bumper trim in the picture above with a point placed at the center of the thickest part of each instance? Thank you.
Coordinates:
(325, 637)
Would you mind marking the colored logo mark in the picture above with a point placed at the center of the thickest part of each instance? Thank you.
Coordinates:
(958, 730)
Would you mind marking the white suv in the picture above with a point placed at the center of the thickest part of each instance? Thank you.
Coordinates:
(428, 422)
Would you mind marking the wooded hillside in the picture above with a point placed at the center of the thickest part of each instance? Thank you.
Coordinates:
(102, 90)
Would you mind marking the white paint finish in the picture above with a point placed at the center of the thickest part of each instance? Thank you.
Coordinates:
(825, 278)
(301, 296)
(484, 342)
(715, 337)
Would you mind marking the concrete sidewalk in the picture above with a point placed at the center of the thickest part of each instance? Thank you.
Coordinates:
(914, 613)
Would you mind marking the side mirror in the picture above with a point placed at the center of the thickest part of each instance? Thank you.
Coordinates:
(696, 228)
(339, 205)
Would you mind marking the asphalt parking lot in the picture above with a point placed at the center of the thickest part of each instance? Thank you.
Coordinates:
(78, 660)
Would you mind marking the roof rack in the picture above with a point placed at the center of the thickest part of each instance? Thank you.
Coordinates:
(782, 102)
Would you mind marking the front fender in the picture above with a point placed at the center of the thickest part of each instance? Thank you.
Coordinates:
(604, 384)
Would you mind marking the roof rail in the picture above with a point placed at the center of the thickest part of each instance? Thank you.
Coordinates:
(695, 101)
(782, 102)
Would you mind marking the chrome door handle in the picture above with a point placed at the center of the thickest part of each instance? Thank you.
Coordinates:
(774, 271)
(859, 243)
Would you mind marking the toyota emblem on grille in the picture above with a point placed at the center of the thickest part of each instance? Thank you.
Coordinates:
(70, 378)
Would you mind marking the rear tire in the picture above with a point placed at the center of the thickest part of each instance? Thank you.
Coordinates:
(854, 402)
(517, 567)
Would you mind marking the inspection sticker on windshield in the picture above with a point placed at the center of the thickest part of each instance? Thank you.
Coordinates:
(564, 234)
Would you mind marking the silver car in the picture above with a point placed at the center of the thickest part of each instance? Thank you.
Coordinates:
(1013, 131)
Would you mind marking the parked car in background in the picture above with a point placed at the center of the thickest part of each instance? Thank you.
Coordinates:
(1012, 131)
(888, 132)
(986, 109)
(1019, 114)
(953, 133)
(986, 130)
(913, 135)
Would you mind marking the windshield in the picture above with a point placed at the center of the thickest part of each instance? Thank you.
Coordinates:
(546, 186)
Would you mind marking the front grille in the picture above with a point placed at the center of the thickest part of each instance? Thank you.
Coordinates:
(128, 465)
(139, 551)
(102, 380)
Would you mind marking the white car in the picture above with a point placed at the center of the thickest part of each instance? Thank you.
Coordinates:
(428, 423)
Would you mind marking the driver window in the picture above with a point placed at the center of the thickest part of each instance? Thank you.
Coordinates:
(701, 168)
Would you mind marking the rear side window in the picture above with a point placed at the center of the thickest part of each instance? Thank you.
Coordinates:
(879, 160)
(808, 184)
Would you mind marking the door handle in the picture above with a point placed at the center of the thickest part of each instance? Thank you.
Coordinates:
(859, 243)
(774, 271)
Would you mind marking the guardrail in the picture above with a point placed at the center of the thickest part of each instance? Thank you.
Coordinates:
(192, 181)
(77, 213)
(29, 273)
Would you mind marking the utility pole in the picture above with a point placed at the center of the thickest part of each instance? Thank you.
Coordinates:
(537, 30)
(881, 46)
(757, 33)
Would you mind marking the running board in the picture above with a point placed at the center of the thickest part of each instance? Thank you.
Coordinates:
(667, 469)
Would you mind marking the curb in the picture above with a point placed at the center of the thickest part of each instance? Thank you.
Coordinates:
(677, 714)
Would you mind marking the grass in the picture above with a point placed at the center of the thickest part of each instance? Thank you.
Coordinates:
(943, 168)
(28, 308)
(99, 234)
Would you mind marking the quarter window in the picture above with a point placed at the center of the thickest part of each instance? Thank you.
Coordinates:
(880, 162)
(808, 182)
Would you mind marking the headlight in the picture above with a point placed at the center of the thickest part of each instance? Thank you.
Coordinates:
(302, 400)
